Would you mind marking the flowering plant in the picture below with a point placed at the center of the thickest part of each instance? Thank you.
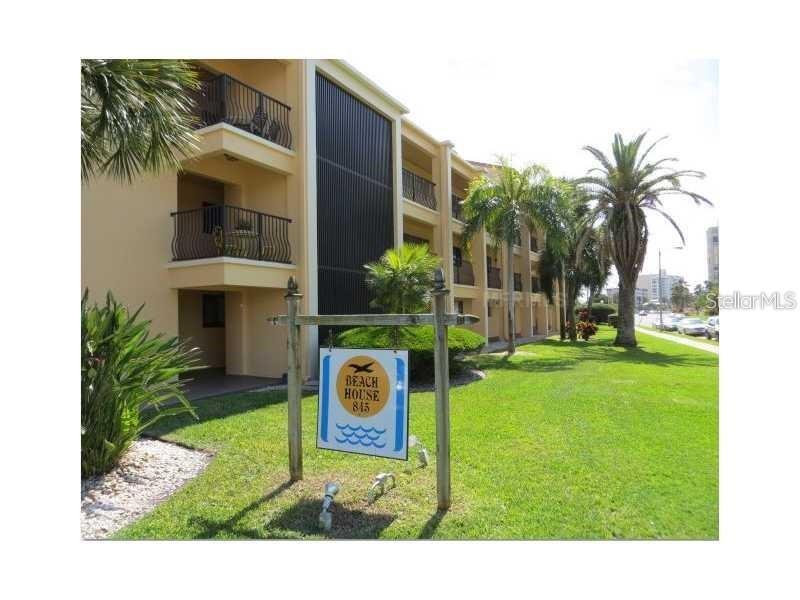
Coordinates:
(585, 327)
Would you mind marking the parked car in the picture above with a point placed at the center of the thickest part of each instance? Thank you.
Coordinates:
(642, 313)
(670, 323)
(712, 328)
(691, 326)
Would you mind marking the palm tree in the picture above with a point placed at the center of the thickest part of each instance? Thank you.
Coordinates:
(623, 190)
(596, 266)
(680, 295)
(402, 279)
(503, 201)
(136, 116)
(578, 250)
(551, 270)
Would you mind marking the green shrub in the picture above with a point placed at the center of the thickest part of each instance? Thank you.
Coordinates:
(123, 372)
(418, 339)
(612, 320)
(600, 312)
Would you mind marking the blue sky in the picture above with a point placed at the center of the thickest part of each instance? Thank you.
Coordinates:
(546, 111)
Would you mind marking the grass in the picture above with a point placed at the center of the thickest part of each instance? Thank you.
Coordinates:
(563, 441)
(699, 338)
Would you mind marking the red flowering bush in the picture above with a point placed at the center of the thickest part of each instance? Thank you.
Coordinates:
(585, 326)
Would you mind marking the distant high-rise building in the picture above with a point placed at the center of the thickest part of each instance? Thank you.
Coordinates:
(712, 252)
(650, 282)
(640, 295)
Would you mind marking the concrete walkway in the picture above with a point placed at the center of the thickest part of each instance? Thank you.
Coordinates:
(214, 382)
(685, 341)
(500, 345)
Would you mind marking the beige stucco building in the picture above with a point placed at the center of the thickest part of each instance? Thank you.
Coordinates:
(304, 168)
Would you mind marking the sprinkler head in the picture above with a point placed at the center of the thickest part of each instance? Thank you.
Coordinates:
(332, 488)
(423, 456)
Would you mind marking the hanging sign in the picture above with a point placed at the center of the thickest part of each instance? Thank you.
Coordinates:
(363, 402)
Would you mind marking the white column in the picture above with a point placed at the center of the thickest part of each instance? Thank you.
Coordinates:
(445, 191)
(397, 180)
(308, 167)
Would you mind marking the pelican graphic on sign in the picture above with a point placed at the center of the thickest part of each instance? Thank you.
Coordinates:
(361, 368)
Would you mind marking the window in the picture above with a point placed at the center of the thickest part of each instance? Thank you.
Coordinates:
(457, 256)
(213, 310)
(460, 307)
(488, 310)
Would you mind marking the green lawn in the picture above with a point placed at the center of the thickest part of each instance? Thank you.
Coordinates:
(563, 441)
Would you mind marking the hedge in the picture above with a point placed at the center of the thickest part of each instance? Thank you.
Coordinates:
(418, 340)
(600, 312)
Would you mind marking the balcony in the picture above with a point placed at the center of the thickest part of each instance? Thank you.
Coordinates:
(463, 273)
(517, 282)
(419, 190)
(223, 99)
(222, 230)
(493, 278)
(457, 209)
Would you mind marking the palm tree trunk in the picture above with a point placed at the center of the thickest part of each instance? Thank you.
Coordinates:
(626, 334)
(510, 297)
(570, 304)
(561, 313)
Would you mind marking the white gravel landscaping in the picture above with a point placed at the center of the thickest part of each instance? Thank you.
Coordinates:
(148, 474)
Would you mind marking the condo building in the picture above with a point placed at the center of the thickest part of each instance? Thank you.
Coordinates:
(712, 253)
(651, 283)
(304, 168)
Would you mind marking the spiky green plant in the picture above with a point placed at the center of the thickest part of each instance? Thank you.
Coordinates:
(505, 200)
(623, 190)
(124, 373)
(402, 279)
(136, 116)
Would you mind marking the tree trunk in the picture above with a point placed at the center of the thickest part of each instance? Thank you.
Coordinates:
(562, 306)
(562, 328)
(570, 309)
(510, 298)
(626, 334)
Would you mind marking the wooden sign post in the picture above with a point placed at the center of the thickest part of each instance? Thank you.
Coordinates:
(294, 384)
(442, 386)
(440, 321)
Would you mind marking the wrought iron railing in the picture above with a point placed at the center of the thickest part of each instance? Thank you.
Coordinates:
(223, 230)
(457, 209)
(419, 190)
(224, 99)
(463, 273)
(517, 282)
(413, 239)
(493, 278)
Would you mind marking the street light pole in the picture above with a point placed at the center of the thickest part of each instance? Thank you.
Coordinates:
(660, 295)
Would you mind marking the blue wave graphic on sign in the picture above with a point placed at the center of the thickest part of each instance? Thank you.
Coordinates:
(356, 435)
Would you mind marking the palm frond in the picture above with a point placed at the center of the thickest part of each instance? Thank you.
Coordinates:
(136, 116)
